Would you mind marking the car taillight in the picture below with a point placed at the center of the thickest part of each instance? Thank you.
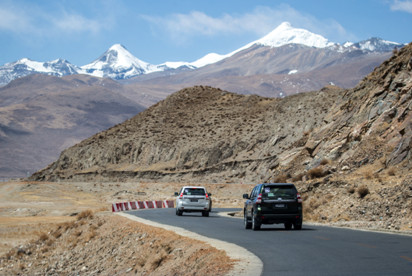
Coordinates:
(181, 195)
(299, 198)
(259, 198)
(207, 196)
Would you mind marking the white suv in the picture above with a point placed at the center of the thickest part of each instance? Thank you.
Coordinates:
(193, 199)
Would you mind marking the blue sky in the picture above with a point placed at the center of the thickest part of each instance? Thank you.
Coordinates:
(156, 31)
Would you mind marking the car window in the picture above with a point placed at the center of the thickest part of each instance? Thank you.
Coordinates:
(285, 192)
(253, 194)
(194, 191)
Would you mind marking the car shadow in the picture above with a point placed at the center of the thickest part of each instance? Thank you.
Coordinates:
(284, 230)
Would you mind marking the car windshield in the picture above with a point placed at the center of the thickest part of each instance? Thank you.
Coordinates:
(194, 191)
(275, 192)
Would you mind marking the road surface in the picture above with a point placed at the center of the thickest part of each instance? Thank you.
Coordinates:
(314, 250)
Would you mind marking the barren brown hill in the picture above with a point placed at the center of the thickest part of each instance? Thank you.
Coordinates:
(345, 149)
(198, 133)
(42, 115)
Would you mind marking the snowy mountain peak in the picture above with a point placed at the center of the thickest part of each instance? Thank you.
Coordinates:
(377, 44)
(118, 63)
(285, 34)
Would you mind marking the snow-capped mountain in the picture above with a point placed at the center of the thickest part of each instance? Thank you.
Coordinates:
(25, 66)
(376, 44)
(285, 34)
(118, 63)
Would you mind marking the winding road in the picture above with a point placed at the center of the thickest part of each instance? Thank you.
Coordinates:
(314, 250)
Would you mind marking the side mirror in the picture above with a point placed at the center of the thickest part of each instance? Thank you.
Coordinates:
(245, 196)
(210, 194)
(176, 194)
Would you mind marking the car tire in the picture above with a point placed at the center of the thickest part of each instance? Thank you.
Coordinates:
(178, 212)
(297, 226)
(247, 223)
(288, 225)
(255, 223)
(205, 213)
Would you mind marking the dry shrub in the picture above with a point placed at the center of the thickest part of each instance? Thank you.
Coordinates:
(157, 261)
(68, 225)
(325, 162)
(86, 214)
(280, 178)
(368, 175)
(351, 190)
(343, 217)
(298, 177)
(141, 261)
(77, 233)
(91, 235)
(363, 191)
(392, 171)
(316, 173)
(43, 237)
(307, 132)
(50, 242)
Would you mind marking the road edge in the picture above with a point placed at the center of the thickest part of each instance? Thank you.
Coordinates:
(246, 263)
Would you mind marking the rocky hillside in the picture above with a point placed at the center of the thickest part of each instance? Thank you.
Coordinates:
(199, 133)
(208, 135)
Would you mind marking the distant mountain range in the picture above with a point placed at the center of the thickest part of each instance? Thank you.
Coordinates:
(119, 64)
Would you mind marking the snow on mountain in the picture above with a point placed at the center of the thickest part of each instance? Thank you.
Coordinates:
(285, 34)
(208, 59)
(118, 63)
(376, 44)
(25, 66)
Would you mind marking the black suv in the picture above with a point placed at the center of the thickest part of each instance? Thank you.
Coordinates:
(270, 203)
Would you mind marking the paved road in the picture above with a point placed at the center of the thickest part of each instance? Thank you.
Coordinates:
(315, 250)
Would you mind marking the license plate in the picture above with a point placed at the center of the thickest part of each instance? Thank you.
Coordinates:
(193, 200)
(279, 205)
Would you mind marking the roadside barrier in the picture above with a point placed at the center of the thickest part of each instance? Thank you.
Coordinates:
(134, 205)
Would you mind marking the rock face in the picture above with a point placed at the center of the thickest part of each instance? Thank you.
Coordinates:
(203, 134)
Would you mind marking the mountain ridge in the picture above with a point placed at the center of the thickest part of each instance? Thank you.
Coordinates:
(109, 65)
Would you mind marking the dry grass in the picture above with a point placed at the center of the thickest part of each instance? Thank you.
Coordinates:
(280, 178)
(325, 162)
(363, 191)
(298, 177)
(87, 214)
(391, 171)
(368, 175)
(351, 190)
(316, 173)
(43, 237)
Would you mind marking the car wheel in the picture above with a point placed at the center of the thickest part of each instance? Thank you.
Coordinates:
(178, 212)
(288, 225)
(247, 223)
(255, 223)
(297, 226)
(205, 213)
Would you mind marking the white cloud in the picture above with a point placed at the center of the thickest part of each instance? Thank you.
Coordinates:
(32, 20)
(405, 6)
(76, 23)
(13, 20)
(259, 22)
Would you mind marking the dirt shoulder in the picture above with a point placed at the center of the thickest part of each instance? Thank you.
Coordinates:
(66, 228)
